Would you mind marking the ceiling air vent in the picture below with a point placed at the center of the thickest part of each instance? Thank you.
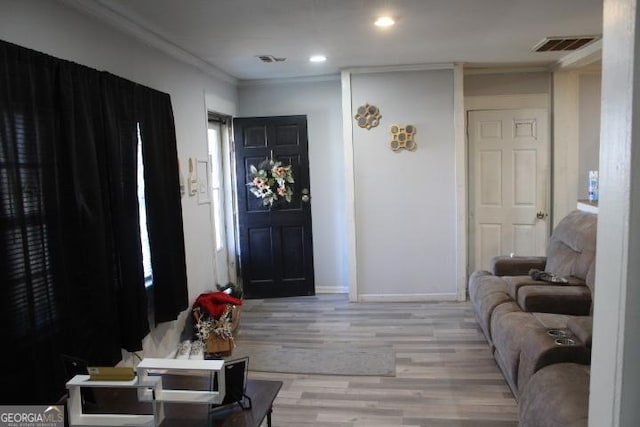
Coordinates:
(268, 59)
(556, 44)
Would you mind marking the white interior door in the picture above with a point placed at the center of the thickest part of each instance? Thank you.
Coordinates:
(508, 170)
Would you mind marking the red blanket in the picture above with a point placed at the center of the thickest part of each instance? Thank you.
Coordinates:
(214, 303)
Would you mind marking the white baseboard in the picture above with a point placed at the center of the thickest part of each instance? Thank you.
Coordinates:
(331, 290)
(407, 297)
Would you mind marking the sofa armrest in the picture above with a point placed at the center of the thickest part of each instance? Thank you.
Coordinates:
(539, 349)
(561, 299)
(556, 395)
(582, 327)
(516, 266)
(516, 283)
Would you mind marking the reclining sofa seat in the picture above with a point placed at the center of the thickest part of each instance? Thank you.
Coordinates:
(516, 312)
(509, 288)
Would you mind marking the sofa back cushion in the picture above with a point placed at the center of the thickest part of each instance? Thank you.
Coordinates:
(571, 250)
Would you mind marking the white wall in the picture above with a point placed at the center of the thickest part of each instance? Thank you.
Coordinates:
(405, 217)
(320, 101)
(588, 128)
(615, 371)
(566, 119)
(55, 29)
(576, 136)
(506, 83)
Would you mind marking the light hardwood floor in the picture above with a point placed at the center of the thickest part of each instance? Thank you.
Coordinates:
(445, 374)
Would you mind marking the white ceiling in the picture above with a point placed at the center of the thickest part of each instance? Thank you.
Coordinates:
(227, 35)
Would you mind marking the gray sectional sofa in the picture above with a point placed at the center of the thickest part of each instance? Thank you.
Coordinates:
(536, 328)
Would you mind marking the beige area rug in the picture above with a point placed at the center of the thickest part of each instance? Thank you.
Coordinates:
(374, 361)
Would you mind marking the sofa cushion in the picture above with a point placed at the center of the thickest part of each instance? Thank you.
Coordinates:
(486, 292)
(514, 283)
(482, 283)
(556, 396)
(572, 246)
(485, 308)
(509, 330)
(474, 282)
(575, 300)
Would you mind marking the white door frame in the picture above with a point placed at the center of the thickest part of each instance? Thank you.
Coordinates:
(505, 206)
(228, 231)
(504, 102)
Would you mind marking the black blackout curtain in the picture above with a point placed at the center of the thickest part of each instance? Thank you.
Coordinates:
(71, 275)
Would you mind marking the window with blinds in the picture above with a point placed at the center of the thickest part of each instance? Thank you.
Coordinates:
(29, 291)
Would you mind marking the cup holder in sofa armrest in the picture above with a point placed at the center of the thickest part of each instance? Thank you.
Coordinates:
(562, 336)
(559, 333)
(565, 341)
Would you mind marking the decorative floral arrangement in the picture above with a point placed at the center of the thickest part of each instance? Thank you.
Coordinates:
(207, 325)
(214, 315)
(271, 181)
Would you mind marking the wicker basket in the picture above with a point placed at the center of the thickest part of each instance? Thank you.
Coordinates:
(235, 318)
(215, 343)
(219, 345)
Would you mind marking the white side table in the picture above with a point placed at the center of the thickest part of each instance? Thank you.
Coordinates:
(149, 386)
(213, 367)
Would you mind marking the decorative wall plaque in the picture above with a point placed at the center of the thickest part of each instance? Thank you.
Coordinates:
(368, 116)
(402, 137)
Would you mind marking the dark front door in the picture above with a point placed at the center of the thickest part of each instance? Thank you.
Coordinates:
(276, 256)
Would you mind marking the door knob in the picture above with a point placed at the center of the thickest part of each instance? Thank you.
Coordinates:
(541, 215)
(305, 195)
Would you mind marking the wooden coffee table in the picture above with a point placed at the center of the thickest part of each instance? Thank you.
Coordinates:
(261, 392)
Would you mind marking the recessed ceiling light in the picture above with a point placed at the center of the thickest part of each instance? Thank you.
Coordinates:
(384, 21)
(317, 58)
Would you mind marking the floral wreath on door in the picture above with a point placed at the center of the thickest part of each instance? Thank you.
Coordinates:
(271, 181)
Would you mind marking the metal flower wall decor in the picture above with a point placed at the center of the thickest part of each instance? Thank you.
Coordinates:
(402, 137)
(368, 116)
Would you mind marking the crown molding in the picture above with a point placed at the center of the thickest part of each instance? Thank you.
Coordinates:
(144, 32)
(351, 70)
(470, 71)
(290, 80)
(400, 68)
(588, 55)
